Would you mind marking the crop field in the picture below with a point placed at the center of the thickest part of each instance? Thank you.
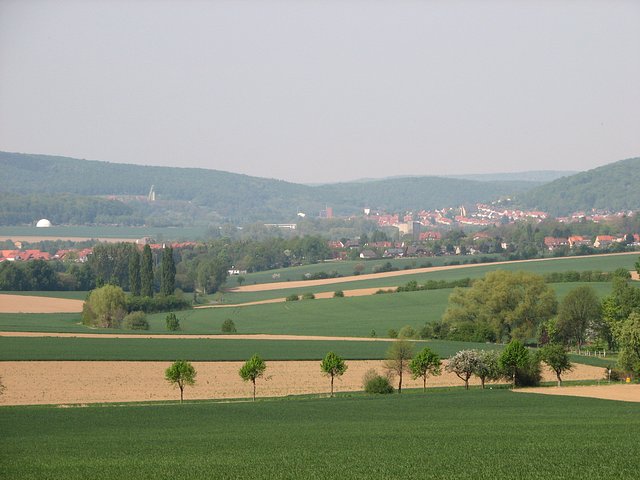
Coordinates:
(446, 434)
(51, 294)
(155, 349)
(601, 263)
(351, 317)
(605, 263)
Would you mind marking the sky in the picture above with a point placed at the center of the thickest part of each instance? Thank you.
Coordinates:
(324, 91)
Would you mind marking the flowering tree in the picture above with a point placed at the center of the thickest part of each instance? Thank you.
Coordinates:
(464, 364)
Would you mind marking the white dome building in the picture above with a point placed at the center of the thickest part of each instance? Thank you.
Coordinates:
(43, 223)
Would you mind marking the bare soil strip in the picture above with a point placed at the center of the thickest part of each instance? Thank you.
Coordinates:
(623, 392)
(192, 337)
(31, 383)
(32, 304)
(261, 287)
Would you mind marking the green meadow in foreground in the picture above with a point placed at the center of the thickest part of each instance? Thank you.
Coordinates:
(55, 348)
(447, 434)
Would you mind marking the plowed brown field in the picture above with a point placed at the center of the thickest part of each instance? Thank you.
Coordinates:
(94, 382)
(31, 304)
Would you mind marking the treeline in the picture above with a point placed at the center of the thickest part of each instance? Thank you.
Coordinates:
(16, 209)
(41, 275)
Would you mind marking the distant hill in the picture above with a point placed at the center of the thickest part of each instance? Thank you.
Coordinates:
(612, 187)
(241, 198)
(539, 176)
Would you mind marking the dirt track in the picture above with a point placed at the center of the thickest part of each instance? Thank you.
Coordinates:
(29, 304)
(261, 287)
(94, 382)
(627, 393)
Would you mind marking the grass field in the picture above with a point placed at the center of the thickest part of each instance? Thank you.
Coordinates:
(602, 263)
(354, 316)
(51, 294)
(52, 348)
(448, 434)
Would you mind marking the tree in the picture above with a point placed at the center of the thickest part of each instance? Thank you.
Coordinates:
(557, 358)
(629, 340)
(211, 274)
(168, 281)
(252, 370)
(181, 373)
(172, 322)
(425, 363)
(105, 307)
(511, 304)
(488, 367)
(398, 357)
(515, 356)
(579, 310)
(146, 272)
(134, 273)
(333, 366)
(228, 326)
(463, 364)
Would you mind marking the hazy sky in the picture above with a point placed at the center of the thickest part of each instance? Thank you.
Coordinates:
(313, 91)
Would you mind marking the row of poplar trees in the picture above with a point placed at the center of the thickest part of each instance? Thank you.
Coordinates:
(141, 277)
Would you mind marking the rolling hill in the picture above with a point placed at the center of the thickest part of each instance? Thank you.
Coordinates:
(611, 187)
(241, 198)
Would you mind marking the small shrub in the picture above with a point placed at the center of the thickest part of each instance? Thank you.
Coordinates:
(407, 332)
(136, 321)
(392, 333)
(376, 384)
(373, 334)
(308, 296)
(338, 294)
(172, 322)
(228, 326)
(292, 298)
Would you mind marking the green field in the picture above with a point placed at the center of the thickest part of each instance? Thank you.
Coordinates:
(601, 263)
(139, 349)
(443, 434)
(85, 231)
(354, 316)
(38, 293)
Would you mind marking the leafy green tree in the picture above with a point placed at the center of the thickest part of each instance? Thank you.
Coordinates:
(512, 304)
(397, 359)
(211, 274)
(488, 367)
(181, 373)
(629, 340)
(136, 321)
(557, 358)
(253, 369)
(407, 332)
(425, 363)
(463, 364)
(616, 308)
(514, 357)
(110, 262)
(105, 307)
(168, 281)
(333, 366)
(134, 273)
(172, 322)
(146, 272)
(579, 310)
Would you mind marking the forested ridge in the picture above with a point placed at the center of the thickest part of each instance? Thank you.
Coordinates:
(240, 198)
(611, 187)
